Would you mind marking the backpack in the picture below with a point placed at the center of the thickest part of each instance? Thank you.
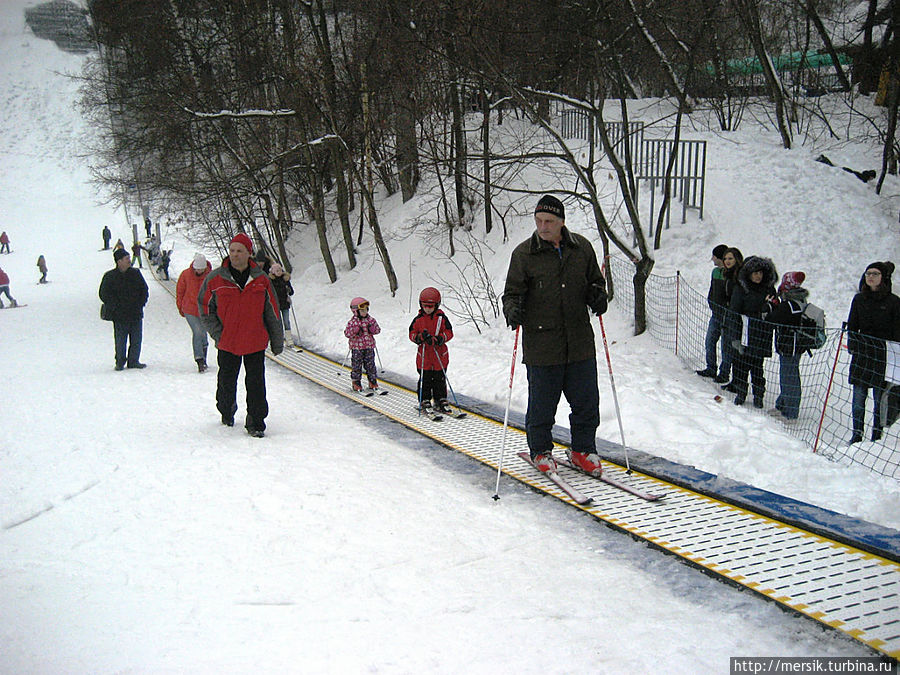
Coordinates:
(811, 332)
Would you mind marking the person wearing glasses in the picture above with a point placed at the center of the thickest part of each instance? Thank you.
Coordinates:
(874, 318)
(360, 332)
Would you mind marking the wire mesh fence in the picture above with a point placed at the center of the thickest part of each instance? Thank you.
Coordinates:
(678, 317)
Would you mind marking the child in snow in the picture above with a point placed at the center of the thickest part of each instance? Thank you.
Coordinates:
(431, 330)
(361, 331)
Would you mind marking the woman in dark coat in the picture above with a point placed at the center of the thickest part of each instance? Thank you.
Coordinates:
(874, 318)
(751, 302)
(732, 261)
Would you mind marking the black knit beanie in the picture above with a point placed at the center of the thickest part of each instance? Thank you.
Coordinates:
(550, 204)
(719, 251)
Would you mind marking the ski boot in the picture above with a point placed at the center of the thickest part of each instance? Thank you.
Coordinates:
(587, 462)
(544, 462)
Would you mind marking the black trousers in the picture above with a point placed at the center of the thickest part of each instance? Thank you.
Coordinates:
(254, 381)
(743, 366)
(434, 385)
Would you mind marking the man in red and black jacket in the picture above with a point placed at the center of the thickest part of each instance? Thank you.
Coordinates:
(239, 310)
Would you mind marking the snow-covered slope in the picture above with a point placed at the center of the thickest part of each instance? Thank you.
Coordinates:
(137, 534)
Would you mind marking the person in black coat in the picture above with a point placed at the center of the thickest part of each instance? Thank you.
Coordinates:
(732, 261)
(874, 318)
(716, 301)
(281, 282)
(786, 316)
(752, 300)
(124, 292)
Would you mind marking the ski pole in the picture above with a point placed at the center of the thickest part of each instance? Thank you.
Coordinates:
(380, 364)
(612, 384)
(512, 372)
(446, 379)
(293, 336)
(421, 373)
(344, 363)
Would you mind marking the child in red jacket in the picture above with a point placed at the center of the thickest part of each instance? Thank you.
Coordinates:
(431, 330)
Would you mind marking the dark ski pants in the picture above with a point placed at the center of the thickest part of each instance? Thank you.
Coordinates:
(578, 381)
(434, 385)
(128, 336)
(745, 367)
(363, 359)
(254, 381)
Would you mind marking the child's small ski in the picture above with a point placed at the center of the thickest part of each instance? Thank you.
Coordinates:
(573, 492)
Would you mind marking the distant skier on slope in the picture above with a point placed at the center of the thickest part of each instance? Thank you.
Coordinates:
(4, 289)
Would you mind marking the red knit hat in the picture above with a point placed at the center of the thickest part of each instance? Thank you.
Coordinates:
(243, 240)
(791, 280)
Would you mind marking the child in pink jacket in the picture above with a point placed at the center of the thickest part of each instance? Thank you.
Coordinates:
(361, 331)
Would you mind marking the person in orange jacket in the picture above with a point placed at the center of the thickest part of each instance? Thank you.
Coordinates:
(186, 291)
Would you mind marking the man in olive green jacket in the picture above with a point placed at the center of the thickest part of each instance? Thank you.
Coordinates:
(553, 279)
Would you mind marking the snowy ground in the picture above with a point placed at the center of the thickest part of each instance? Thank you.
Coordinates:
(139, 535)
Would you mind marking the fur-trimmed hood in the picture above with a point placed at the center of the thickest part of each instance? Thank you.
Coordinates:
(755, 264)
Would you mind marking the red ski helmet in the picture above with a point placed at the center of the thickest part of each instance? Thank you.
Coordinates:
(430, 296)
(356, 303)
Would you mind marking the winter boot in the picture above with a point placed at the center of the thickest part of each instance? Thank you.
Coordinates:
(758, 402)
(706, 372)
(357, 385)
(425, 407)
(721, 378)
(13, 303)
(373, 385)
(739, 399)
(587, 462)
(228, 420)
(856, 437)
(544, 462)
(876, 435)
(443, 407)
(201, 366)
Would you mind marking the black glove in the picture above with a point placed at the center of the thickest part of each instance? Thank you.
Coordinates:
(439, 340)
(427, 338)
(418, 339)
(515, 315)
(596, 298)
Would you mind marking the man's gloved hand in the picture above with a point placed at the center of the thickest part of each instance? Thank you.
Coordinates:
(515, 315)
(596, 298)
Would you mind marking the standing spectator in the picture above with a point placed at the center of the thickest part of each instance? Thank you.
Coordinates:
(264, 260)
(164, 258)
(4, 290)
(874, 318)
(281, 282)
(360, 331)
(149, 227)
(124, 292)
(186, 291)
(42, 267)
(240, 312)
(753, 299)
(732, 262)
(793, 299)
(107, 235)
(716, 301)
(4, 242)
(553, 280)
(136, 253)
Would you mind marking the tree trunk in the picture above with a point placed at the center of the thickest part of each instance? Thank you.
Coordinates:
(342, 203)
(407, 149)
(459, 155)
(813, 14)
(486, 159)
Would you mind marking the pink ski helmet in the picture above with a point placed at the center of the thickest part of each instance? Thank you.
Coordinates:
(356, 303)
